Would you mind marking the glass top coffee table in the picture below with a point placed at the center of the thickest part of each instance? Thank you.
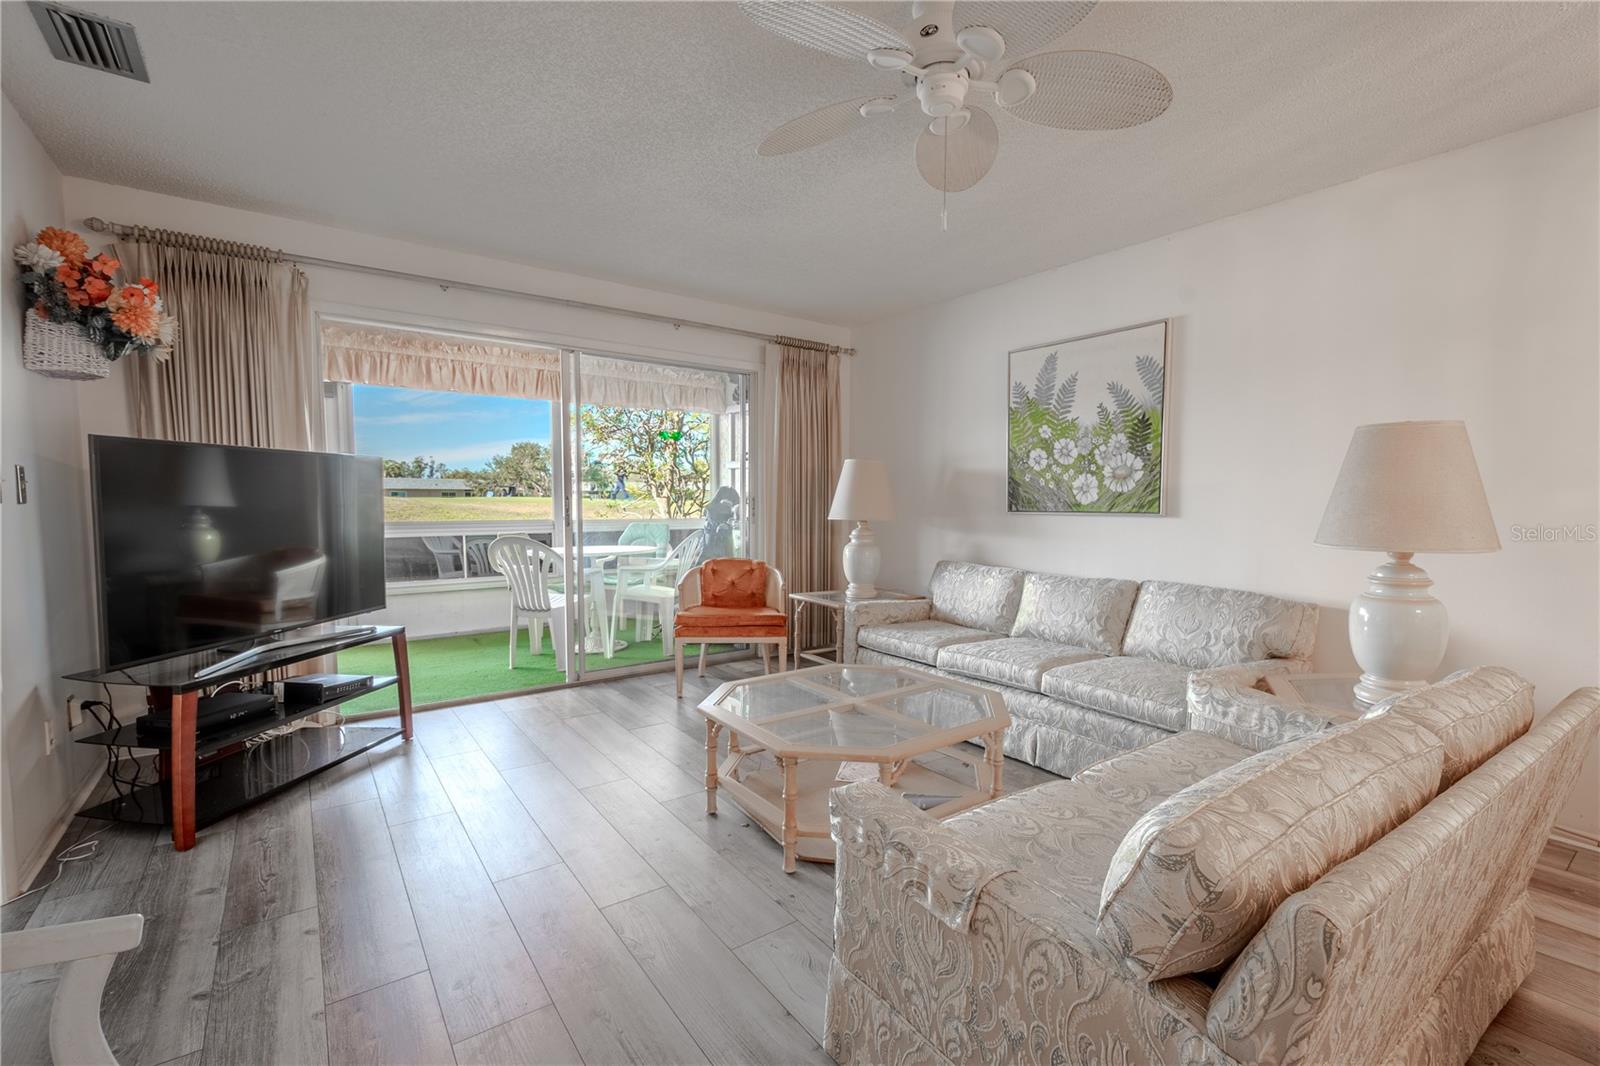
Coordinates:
(793, 737)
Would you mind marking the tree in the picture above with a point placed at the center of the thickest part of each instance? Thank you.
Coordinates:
(526, 470)
(417, 467)
(666, 453)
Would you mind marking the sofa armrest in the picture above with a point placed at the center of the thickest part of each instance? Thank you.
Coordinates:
(880, 613)
(1230, 702)
(908, 848)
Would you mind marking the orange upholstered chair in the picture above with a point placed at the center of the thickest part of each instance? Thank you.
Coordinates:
(730, 601)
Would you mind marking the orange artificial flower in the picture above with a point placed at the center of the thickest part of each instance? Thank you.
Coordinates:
(68, 275)
(139, 320)
(72, 247)
(136, 296)
(97, 289)
(103, 265)
(146, 283)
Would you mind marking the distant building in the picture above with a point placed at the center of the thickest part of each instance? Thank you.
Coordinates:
(426, 486)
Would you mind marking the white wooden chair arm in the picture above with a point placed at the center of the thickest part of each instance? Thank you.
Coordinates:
(70, 941)
(86, 951)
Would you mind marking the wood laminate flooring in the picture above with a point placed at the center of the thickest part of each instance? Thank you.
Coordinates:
(535, 880)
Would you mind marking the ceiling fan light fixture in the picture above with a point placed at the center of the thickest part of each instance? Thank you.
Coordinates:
(1015, 86)
(889, 58)
(883, 105)
(982, 43)
(951, 123)
(942, 94)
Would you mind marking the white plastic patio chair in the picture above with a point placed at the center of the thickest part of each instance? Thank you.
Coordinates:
(86, 952)
(652, 584)
(529, 567)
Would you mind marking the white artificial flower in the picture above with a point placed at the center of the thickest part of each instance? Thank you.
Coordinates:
(1122, 471)
(35, 256)
(1037, 458)
(1086, 488)
(1045, 432)
(1066, 450)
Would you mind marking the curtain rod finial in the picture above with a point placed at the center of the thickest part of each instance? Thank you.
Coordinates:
(99, 225)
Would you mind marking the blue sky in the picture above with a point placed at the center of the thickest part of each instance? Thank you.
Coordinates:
(456, 428)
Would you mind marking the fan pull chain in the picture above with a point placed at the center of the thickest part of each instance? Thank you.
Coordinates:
(944, 186)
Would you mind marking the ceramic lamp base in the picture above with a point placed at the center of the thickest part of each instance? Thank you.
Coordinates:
(861, 562)
(1398, 630)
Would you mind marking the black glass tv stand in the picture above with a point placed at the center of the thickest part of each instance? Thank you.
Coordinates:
(205, 778)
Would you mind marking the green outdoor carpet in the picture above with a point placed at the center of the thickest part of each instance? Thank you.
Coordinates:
(458, 668)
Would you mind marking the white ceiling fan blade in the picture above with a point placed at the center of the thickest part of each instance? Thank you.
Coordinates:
(827, 29)
(1092, 91)
(961, 163)
(1027, 25)
(823, 124)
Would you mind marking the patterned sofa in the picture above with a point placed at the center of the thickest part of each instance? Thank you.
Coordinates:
(1088, 667)
(1357, 894)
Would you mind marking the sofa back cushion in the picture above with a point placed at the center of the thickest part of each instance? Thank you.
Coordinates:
(976, 596)
(1085, 612)
(1200, 873)
(1201, 626)
(1474, 712)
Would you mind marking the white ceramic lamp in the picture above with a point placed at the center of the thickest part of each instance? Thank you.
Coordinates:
(1405, 487)
(862, 497)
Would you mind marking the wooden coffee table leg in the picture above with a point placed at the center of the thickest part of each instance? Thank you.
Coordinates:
(994, 754)
(791, 828)
(711, 766)
(402, 666)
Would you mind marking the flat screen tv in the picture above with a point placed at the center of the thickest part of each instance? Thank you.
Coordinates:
(206, 546)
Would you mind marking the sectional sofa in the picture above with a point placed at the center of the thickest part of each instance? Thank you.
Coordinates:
(1088, 667)
(1356, 894)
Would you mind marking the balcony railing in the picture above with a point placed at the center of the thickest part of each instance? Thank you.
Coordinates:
(434, 554)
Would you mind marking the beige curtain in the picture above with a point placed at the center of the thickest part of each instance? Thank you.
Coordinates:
(242, 370)
(807, 545)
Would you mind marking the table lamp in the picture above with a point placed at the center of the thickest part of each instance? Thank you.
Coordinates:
(1405, 487)
(862, 496)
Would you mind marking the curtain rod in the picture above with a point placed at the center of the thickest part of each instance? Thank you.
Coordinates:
(120, 229)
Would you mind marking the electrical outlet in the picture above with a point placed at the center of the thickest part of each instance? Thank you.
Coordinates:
(74, 713)
(49, 737)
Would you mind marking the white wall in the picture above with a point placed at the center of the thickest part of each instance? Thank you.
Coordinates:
(46, 605)
(1462, 286)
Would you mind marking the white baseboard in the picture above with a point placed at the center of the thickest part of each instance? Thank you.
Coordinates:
(1571, 838)
(46, 851)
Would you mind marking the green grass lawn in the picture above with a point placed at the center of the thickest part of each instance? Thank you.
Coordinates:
(457, 668)
(507, 508)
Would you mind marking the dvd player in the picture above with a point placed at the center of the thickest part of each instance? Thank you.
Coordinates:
(323, 688)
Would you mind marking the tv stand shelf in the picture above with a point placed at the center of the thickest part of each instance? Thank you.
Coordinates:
(128, 736)
(206, 778)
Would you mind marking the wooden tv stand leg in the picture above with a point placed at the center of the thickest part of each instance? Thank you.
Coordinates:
(402, 666)
(180, 768)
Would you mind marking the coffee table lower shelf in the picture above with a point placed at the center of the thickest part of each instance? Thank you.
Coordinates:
(234, 782)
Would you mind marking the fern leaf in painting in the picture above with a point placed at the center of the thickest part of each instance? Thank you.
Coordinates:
(1019, 395)
(1151, 374)
(1066, 396)
(1123, 396)
(1044, 386)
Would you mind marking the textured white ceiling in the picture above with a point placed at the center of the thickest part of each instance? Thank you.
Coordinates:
(619, 139)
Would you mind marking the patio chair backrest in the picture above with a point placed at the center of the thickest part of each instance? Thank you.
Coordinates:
(686, 552)
(656, 533)
(528, 566)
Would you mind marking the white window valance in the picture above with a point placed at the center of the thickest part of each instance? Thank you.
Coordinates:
(413, 359)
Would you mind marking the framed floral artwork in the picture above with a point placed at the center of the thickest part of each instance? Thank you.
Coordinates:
(1086, 424)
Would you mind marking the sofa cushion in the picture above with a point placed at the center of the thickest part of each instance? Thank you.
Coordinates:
(733, 583)
(1016, 661)
(975, 596)
(1233, 702)
(1473, 712)
(1141, 689)
(918, 641)
(1062, 835)
(1201, 872)
(1084, 612)
(1201, 626)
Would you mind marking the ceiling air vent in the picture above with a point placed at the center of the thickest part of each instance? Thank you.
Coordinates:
(90, 40)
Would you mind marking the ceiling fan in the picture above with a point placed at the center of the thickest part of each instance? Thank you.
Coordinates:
(953, 55)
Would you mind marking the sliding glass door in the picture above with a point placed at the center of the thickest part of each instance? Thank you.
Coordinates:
(658, 464)
(614, 474)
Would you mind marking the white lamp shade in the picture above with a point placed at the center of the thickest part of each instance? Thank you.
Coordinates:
(1409, 487)
(863, 494)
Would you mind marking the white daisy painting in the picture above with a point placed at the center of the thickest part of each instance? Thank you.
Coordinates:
(1086, 422)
